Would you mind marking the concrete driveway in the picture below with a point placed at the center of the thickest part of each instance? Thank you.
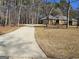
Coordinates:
(20, 43)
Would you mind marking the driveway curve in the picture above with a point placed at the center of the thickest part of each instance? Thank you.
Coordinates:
(20, 42)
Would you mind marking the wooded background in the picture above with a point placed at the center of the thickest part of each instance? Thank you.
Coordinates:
(31, 11)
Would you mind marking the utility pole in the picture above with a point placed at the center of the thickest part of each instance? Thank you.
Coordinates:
(68, 12)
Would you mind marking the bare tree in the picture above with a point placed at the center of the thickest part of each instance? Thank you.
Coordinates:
(6, 17)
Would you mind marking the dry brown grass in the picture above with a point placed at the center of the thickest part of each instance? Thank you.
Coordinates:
(6, 29)
(59, 43)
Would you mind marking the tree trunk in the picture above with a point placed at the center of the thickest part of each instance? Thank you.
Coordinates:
(6, 20)
(19, 12)
(9, 19)
(19, 18)
(38, 14)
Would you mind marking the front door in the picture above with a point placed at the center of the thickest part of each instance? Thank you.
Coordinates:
(57, 22)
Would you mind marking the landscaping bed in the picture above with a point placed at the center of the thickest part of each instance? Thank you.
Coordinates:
(6, 29)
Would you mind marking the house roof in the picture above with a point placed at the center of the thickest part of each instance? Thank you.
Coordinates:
(50, 17)
(60, 17)
(55, 17)
(74, 19)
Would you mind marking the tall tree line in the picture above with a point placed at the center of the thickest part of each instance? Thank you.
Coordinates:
(30, 11)
(18, 11)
